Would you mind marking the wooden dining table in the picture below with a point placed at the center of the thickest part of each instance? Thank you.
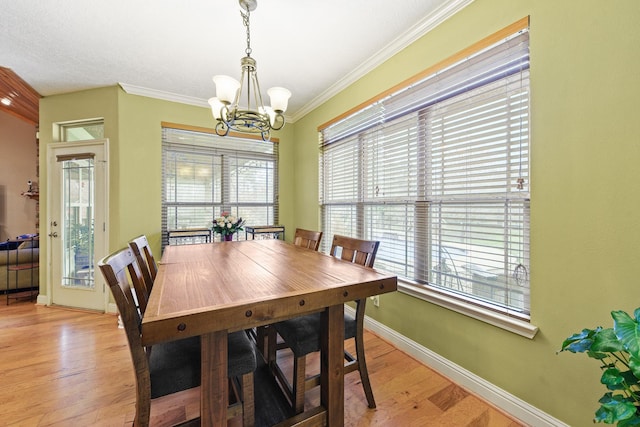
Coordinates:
(216, 288)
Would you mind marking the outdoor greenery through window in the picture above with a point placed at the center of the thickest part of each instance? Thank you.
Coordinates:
(438, 172)
(204, 174)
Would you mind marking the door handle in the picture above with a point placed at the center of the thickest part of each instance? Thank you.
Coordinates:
(54, 234)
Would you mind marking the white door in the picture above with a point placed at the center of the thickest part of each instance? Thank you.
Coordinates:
(77, 215)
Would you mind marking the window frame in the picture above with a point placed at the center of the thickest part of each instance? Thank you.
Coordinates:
(518, 323)
(91, 128)
(223, 152)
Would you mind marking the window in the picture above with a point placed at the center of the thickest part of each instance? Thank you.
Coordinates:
(204, 174)
(438, 172)
(81, 131)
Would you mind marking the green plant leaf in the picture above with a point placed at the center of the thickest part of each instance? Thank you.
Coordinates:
(614, 408)
(618, 349)
(628, 331)
(629, 383)
(634, 365)
(612, 377)
(597, 355)
(606, 341)
(580, 342)
(603, 415)
(630, 378)
(630, 422)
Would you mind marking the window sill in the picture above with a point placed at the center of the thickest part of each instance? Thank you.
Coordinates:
(511, 324)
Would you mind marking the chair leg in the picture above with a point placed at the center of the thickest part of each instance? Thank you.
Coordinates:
(364, 374)
(262, 340)
(143, 401)
(248, 398)
(299, 376)
(272, 339)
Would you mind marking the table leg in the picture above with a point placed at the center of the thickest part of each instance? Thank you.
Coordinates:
(214, 391)
(332, 365)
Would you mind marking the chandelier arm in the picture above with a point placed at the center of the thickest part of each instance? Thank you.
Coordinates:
(278, 122)
(250, 77)
(224, 113)
(257, 93)
(245, 74)
(221, 128)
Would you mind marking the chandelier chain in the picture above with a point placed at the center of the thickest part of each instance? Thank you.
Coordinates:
(245, 21)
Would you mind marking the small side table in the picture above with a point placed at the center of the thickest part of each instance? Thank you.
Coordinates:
(189, 235)
(264, 231)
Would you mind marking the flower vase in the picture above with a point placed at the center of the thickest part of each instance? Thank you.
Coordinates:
(227, 237)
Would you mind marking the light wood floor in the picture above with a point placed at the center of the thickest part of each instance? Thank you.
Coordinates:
(61, 367)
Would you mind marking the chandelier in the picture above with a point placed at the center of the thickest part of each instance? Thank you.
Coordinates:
(238, 105)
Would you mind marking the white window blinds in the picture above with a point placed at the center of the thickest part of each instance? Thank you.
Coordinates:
(438, 172)
(204, 174)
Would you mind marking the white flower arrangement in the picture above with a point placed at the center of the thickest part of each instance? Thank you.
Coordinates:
(227, 224)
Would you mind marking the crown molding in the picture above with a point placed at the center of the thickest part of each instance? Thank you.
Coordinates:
(427, 24)
(167, 96)
(170, 96)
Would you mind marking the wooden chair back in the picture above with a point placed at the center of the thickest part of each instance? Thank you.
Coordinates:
(358, 251)
(146, 261)
(297, 332)
(361, 252)
(307, 238)
(121, 271)
(116, 269)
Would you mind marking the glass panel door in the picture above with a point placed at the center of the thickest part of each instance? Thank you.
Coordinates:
(78, 183)
(77, 223)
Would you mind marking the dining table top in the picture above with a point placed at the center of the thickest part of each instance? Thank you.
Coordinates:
(243, 284)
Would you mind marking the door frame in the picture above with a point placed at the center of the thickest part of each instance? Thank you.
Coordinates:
(96, 144)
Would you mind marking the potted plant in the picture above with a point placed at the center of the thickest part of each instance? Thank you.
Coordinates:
(618, 350)
(226, 225)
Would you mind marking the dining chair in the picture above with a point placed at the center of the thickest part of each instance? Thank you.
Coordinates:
(146, 261)
(172, 368)
(307, 238)
(302, 334)
(304, 238)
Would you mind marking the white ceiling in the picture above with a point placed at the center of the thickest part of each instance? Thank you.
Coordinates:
(171, 48)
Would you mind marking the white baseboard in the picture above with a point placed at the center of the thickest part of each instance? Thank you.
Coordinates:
(44, 300)
(507, 402)
(112, 308)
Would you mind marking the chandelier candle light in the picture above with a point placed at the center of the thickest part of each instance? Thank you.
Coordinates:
(253, 117)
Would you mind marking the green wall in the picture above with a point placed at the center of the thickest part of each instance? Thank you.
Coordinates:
(133, 127)
(91, 104)
(585, 242)
(585, 141)
(140, 159)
